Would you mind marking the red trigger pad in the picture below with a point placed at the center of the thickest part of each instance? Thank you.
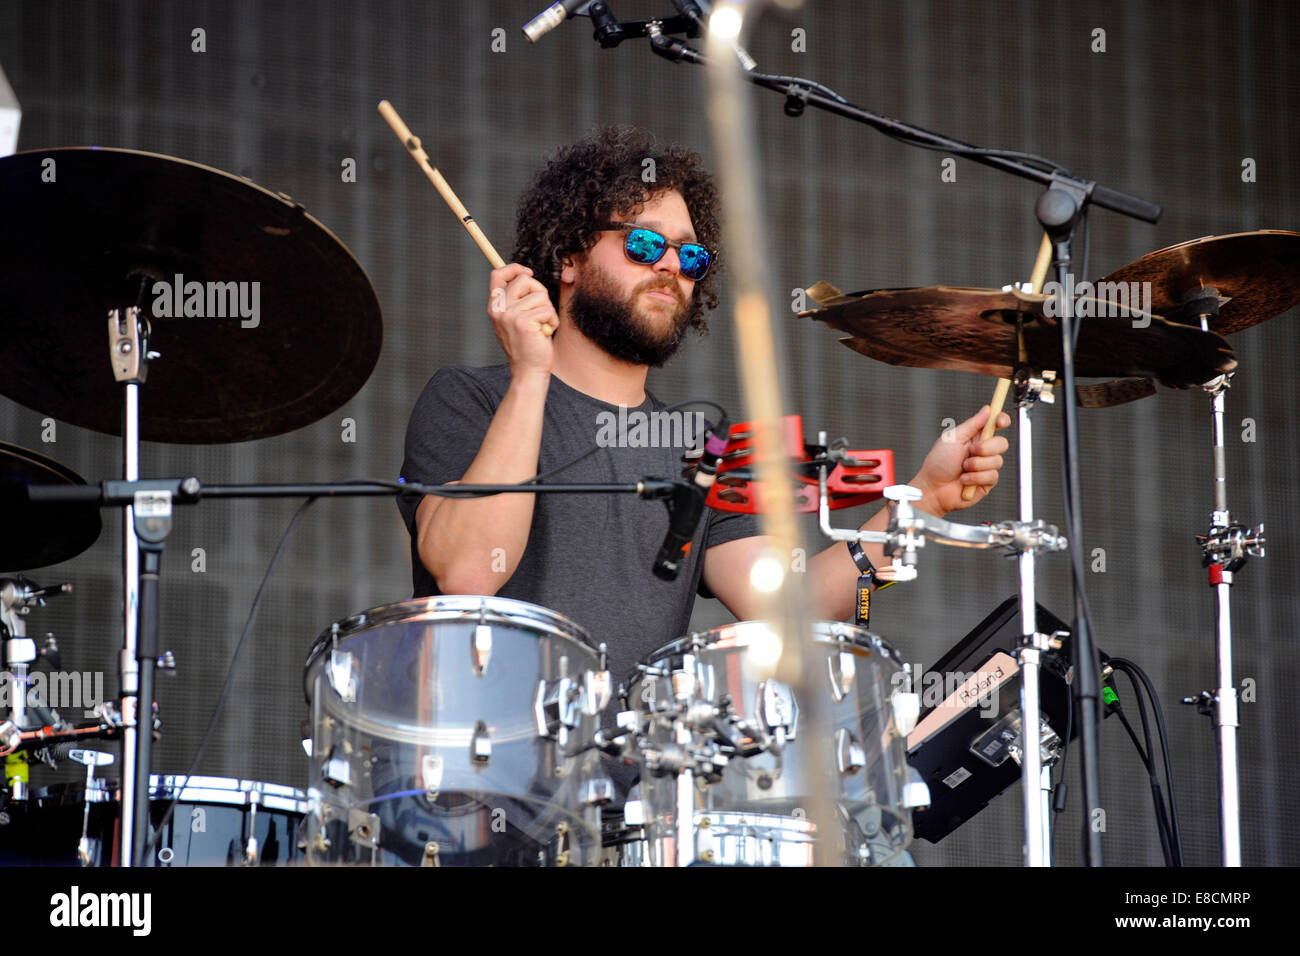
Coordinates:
(847, 485)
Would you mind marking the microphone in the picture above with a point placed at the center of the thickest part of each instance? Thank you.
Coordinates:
(550, 18)
(687, 504)
(691, 11)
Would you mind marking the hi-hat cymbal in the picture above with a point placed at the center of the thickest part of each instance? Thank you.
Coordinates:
(86, 230)
(36, 535)
(1256, 273)
(991, 332)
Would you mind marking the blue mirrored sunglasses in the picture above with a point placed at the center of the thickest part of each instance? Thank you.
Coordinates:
(646, 247)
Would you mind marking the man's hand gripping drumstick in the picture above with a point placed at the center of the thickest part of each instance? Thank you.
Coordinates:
(1004, 384)
(506, 293)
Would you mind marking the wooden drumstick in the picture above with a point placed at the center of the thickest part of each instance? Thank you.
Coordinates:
(1004, 384)
(413, 146)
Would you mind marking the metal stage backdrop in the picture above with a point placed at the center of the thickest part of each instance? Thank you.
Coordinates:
(1183, 95)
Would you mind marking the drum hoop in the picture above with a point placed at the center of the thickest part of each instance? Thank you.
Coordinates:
(451, 608)
(825, 632)
(227, 791)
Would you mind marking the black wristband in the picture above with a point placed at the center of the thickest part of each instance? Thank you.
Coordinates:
(864, 564)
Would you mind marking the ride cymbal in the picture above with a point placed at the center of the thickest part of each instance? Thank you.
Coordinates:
(278, 324)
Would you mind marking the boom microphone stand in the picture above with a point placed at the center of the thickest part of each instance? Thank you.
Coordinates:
(1058, 209)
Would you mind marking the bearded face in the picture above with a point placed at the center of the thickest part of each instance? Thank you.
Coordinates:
(643, 326)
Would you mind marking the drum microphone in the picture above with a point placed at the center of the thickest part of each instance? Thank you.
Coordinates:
(550, 18)
(687, 504)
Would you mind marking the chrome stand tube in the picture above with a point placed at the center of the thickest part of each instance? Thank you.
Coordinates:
(1225, 712)
(129, 668)
(1034, 776)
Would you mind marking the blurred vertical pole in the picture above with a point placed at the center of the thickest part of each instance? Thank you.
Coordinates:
(781, 592)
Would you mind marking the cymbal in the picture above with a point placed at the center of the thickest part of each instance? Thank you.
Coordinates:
(36, 535)
(976, 330)
(1110, 394)
(1257, 275)
(288, 325)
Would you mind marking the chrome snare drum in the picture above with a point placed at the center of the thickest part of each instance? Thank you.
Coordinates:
(449, 731)
(750, 804)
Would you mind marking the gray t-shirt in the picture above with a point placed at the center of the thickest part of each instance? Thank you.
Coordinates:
(588, 556)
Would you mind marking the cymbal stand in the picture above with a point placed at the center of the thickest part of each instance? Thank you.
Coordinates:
(1224, 550)
(146, 524)
(1035, 772)
(908, 529)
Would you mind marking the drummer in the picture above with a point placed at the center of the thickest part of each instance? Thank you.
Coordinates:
(616, 251)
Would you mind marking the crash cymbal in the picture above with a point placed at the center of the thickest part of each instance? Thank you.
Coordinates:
(1257, 275)
(35, 535)
(287, 326)
(976, 330)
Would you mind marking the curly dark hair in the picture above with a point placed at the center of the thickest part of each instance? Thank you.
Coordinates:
(586, 184)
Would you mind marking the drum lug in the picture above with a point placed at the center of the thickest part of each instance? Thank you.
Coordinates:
(555, 708)
(916, 793)
(849, 755)
(843, 669)
(430, 857)
(563, 844)
(363, 829)
(634, 813)
(250, 846)
(481, 649)
(341, 676)
(480, 746)
(598, 691)
(907, 707)
(597, 792)
(777, 710)
(337, 768)
(431, 774)
(684, 681)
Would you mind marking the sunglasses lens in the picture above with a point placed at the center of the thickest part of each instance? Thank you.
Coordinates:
(645, 246)
(695, 261)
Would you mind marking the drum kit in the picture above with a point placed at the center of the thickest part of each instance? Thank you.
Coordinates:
(466, 730)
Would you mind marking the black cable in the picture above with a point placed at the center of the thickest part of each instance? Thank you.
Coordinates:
(806, 84)
(1083, 606)
(1078, 324)
(1146, 752)
(1059, 791)
(537, 479)
(230, 676)
(1147, 755)
(722, 412)
(1162, 731)
(1133, 672)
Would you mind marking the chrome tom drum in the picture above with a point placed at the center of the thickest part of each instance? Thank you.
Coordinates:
(445, 731)
(759, 801)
